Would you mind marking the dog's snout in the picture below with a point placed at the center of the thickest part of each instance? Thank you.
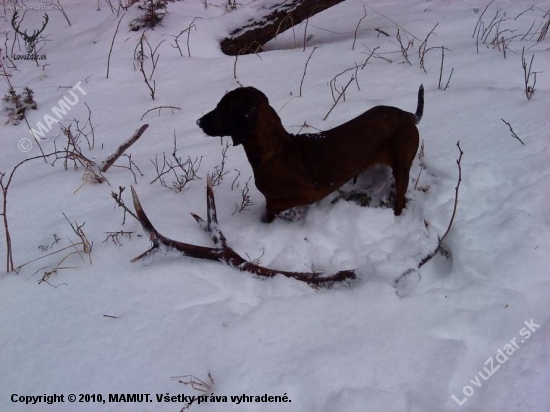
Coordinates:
(199, 122)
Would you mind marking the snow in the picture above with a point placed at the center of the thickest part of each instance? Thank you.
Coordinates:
(116, 327)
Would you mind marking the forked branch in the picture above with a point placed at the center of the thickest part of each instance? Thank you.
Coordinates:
(222, 252)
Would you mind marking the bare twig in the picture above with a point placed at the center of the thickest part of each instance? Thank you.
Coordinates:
(379, 31)
(59, 7)
(524, 11)
(305, 34)
(339, 96)
(160, 107)
(357, 28)
(196, 383)
(456, 192)
(235, 67)
(191, 26)
(512, 131)
(120, 202)
(429, 257)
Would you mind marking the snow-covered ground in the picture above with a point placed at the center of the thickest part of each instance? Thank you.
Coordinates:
(116, 327)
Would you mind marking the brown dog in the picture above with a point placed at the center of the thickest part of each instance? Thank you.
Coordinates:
(295, 170)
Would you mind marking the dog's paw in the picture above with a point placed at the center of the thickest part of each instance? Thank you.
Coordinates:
(356, 196)
(294, 214)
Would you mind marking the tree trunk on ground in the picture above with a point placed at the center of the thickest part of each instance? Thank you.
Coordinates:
(252, 35)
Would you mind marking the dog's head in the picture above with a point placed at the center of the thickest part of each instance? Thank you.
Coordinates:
(235, 115)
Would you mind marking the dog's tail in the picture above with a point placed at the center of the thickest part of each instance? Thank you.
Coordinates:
(420, 105)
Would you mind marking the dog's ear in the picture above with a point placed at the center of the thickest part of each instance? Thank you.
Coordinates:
(243, 119)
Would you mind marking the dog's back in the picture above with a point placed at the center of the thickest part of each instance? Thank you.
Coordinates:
(381, 135)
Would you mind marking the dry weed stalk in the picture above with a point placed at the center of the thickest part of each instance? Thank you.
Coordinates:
(219, 171)
(191, 26)
(132, 167)
(184, 171)
(195, 383)
(73, 153)
(115, 237)
(440, 84)
(527, 74)
(305, 69)
(81, 248)
(404, 49)
(246, 202)
(112, 44)
(140, 55)
(423, 49)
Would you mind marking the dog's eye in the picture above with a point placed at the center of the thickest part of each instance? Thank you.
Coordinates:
(250, 110)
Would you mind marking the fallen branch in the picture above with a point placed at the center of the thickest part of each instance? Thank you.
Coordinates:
(222, 252)
(107, 163)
